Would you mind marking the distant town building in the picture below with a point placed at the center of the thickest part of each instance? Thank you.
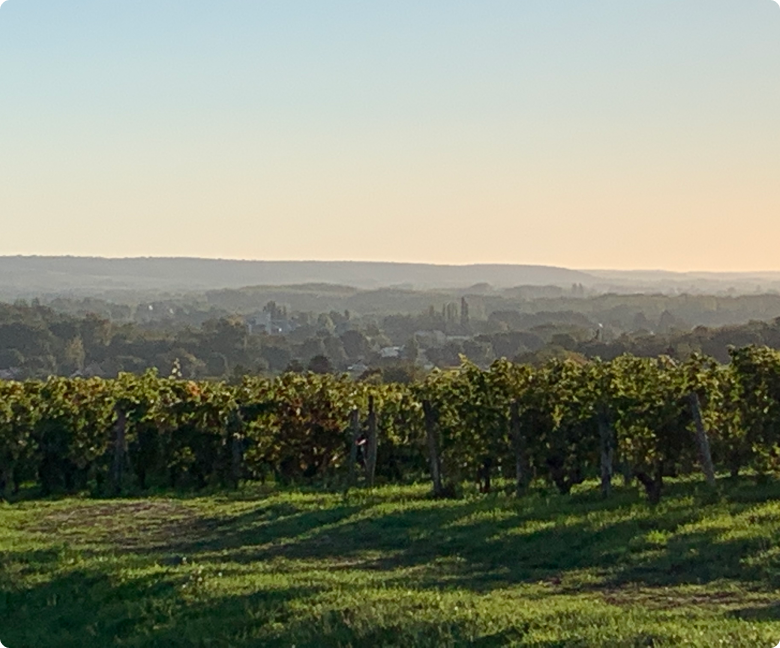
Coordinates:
(265, 321)
(358, 369)
(391, 352)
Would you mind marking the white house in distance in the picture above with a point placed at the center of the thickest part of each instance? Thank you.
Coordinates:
(263, 321)
(391, 352)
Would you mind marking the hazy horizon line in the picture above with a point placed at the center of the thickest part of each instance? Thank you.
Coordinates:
(389, 262)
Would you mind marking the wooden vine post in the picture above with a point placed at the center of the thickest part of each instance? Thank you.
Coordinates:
(236, 450)
(522, 465)
(372, 443)
(433, 448)
(353, 434)
(607, 451)
(118, 463)
(6, 482)
(235, 459)
(705, 456)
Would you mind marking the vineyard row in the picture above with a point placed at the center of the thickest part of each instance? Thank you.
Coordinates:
(647, 418)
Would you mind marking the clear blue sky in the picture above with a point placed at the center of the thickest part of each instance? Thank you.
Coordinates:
(584, 133)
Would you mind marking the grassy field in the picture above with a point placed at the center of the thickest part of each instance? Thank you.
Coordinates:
(391, 567)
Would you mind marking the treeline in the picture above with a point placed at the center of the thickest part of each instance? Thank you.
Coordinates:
(37, 341)
(620, 312)
(564, 422)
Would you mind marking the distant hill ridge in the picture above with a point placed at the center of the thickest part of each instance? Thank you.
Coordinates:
(25, 275)
(138, 277)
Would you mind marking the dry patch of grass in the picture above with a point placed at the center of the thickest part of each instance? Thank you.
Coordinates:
(123, 525)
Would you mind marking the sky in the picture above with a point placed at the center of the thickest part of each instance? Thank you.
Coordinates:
(578, 133)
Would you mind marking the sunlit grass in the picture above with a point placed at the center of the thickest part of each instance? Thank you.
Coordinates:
(392, 567)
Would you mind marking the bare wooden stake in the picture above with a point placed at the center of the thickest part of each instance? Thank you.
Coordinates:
(119, 450)
(236, 459)
(705, 457)
(607, 451)
(522, 466)
(6, 482)
(433, 447)
(235, 429)
(372, 444)
(353, 434)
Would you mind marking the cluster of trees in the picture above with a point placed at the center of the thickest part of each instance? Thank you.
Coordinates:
(37, 341)
(561, 423)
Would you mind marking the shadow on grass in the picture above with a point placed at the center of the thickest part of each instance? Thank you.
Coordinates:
(90, 609)
(769, 612)
(85, 609)
(477, 544)
(483, 543)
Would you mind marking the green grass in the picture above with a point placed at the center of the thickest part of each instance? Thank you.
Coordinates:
(391, 567)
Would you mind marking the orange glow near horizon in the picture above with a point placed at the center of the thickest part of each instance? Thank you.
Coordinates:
(598, 136)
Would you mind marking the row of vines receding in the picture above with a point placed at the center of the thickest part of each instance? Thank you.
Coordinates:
(644, 418)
